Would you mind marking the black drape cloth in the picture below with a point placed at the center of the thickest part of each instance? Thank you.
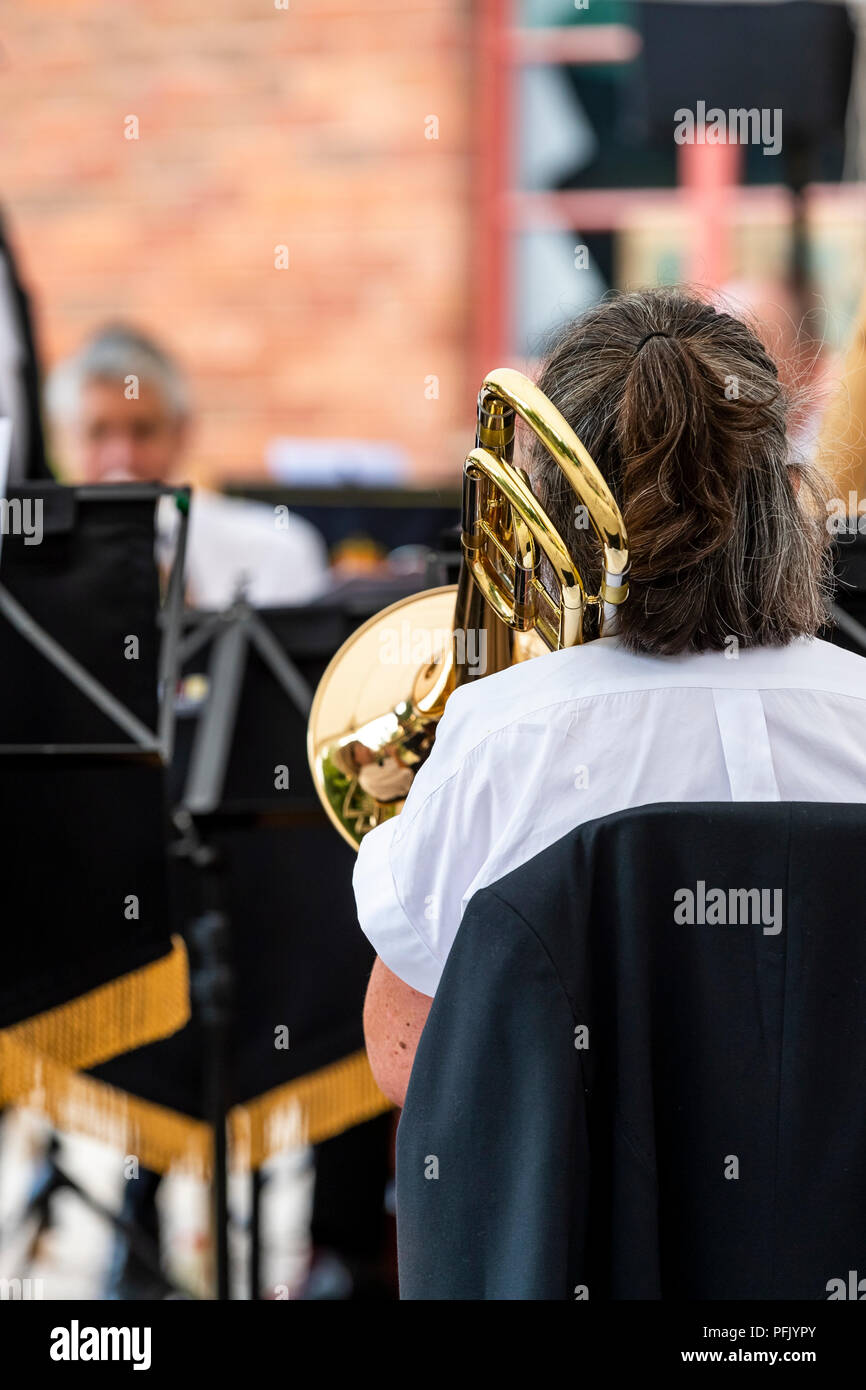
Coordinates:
(705, 1138)
(35, 465)
(298, 959)
(82, 835)
(84, 899)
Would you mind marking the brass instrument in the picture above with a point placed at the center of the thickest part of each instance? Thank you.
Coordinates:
(374, 716)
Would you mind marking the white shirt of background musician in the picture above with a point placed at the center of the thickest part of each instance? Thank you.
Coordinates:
(233, 544)
(524, 756)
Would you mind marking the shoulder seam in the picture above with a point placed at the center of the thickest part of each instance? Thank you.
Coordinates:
(516, 913)
(601, 694)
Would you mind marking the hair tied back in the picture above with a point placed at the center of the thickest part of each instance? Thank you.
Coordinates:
(657, 333)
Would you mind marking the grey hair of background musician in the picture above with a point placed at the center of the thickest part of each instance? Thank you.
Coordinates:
(113, 354)
(689, 428)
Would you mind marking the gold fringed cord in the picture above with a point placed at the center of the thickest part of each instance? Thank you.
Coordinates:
(137, 1008)
(42, 1058)
(305, 1111)
(158, 1137)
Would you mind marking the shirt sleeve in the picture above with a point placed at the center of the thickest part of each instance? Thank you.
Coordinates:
(383, 917)
(414, 872)
(465, 824)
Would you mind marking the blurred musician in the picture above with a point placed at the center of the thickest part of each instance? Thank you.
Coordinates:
(713, 686)
(121, 413)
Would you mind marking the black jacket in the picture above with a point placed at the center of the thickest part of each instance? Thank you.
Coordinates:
(705, 1138)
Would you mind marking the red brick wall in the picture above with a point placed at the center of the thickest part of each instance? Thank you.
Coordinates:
(258, 127)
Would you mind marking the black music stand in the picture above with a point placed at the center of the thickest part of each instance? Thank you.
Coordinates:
(141, 740)
(98, 730)
(232, 634)
(207, 801)
(272, 943)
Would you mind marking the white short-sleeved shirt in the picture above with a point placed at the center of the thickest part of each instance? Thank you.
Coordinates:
(234, 543)
(526, 755)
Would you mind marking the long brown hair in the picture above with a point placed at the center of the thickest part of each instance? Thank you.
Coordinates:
(681, 407)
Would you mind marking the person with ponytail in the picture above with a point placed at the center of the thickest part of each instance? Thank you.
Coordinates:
(711, 685)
